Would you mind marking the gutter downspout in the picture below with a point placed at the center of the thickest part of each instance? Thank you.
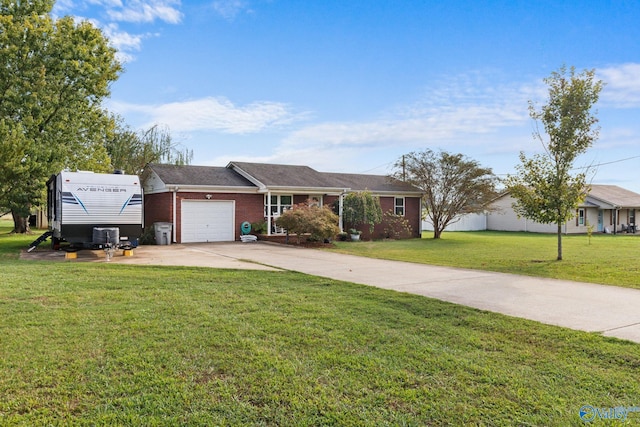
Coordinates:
(173, 217)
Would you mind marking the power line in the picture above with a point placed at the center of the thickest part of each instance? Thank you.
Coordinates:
(377, 167)
(590, 166)
(608, 163)
(504, 174)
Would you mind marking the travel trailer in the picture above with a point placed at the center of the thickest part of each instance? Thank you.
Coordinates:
(93, 210)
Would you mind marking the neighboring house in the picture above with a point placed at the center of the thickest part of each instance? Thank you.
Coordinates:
(467, 222)
(608, 208)
(207, 204)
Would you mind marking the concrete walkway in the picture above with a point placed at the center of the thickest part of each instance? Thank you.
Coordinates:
(609, 310)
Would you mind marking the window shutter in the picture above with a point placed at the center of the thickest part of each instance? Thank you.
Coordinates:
(577, 219)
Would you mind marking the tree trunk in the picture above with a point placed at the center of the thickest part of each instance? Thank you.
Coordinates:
(20, 223)
(436, 228)
(559, 242)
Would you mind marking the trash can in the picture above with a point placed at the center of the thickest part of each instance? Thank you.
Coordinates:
(163, 232)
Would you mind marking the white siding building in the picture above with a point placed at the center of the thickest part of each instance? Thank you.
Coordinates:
(608, 208)
(468, 222)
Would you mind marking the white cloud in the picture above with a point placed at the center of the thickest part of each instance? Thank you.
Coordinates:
(145, 11)
(106, 3)
(125, 43)
(622, 88)
(475, 115)
(229, 9)
(216, 114)
(454, 112)
(61, 7)
(463, 114)
(118, 11)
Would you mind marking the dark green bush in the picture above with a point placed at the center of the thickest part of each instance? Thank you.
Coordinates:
(259, 227)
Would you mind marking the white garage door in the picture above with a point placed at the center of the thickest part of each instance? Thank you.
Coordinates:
(207, 221)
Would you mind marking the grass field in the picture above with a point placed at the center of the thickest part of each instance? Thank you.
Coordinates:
(109, 344)
(605, 259)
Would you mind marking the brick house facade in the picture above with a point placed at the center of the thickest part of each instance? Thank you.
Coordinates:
(215, 201)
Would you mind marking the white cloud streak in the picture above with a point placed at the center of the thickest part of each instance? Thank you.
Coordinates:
(457, 112)
(622, 88)
(144, 11)
(138, 11)
(229, 9)
(216, 114)
(468, 112)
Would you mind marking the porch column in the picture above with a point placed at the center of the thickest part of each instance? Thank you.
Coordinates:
(269, 213)
(340, 221)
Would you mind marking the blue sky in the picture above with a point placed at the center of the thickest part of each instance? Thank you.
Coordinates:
(350, 86)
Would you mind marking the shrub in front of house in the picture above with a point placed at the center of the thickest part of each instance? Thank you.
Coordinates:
(148, 236)
(259, 227)
(319, 222)
(361, 209)
(396, 226)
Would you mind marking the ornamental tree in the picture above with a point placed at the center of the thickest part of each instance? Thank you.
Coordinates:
(545, 189)
(320, 222)
(361, 208)
(453, 185)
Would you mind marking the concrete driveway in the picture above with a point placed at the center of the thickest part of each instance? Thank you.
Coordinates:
(193, 255)
(609, 310)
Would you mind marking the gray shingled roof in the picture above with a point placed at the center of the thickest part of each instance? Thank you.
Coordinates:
(272, 175)
(357, 182)
(615, 195)
(199, 175)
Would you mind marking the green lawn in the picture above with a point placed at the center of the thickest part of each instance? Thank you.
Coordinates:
(606, 259)
(108, 344)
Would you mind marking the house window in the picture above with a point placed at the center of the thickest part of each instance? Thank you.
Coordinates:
(315, 201)
(399, 206)
(632, 216)
(581, 217)
(279, 203)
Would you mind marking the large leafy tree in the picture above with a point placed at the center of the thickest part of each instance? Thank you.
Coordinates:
(54, 74)
(544, 188)
(453, 185)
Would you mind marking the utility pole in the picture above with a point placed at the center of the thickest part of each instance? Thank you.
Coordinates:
(404, 171)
